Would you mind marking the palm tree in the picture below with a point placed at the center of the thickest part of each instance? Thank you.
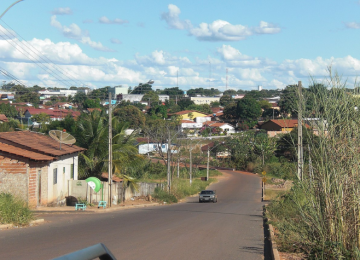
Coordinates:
(92, 134)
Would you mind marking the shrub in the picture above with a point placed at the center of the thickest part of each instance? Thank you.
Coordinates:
(164, 196)
(14, 211)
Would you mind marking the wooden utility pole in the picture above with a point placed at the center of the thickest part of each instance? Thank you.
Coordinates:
(300, 135)
(110, 149)
(169, 161)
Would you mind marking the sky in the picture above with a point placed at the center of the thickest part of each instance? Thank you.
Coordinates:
(228, 44)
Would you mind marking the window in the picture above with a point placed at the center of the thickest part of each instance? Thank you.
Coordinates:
(63, 170)
(72, 171)
(55, 175)
(163, 146)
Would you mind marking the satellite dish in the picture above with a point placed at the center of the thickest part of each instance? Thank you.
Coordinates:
(62, 137)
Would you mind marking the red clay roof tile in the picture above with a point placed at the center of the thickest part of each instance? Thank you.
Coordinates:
(24, 153)
(38, 143)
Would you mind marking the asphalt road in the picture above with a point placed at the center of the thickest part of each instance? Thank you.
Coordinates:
(232, 228)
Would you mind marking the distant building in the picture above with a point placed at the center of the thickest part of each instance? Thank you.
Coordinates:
(163, 98)
(133, 98)
(117, 90)
(204, 100)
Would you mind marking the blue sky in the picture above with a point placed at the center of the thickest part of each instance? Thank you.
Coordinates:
(189, 44)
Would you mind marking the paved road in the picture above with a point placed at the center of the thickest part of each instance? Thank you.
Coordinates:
(229, 229)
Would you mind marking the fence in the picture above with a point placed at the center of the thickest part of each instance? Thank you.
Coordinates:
(80, 189)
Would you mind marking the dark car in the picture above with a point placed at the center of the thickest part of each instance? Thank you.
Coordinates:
(207, 195)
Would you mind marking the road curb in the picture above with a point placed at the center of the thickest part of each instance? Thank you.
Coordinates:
(273, 246)
(36, 221)
(274, 251)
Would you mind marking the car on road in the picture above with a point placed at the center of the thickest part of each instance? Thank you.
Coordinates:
(207, 195)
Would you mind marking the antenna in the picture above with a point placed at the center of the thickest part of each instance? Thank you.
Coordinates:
(62, 137)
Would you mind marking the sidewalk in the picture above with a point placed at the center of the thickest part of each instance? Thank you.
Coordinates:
(95, 209)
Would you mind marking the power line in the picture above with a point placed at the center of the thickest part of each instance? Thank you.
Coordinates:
(45, 65)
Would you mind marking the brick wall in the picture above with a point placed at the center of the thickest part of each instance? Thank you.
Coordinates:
(13, 177)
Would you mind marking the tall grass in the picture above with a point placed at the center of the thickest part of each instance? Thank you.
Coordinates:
(321, 215)
(14, 211)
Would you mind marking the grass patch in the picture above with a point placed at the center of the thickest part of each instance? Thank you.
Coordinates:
(14, 211)
(273, 194)
(164, 196)
(181, 188)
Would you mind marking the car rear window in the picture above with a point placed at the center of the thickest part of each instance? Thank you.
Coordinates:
(207, 192)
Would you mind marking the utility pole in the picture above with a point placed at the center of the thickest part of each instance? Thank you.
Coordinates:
(190, 165)
(300, 135)
(208, 162)
(110, 149)
(169, 161)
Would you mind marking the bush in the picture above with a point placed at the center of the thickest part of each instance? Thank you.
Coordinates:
(14, 211)
(182, 188)
(284, 170)
(164, 196)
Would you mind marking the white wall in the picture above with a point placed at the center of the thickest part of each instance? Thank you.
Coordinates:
(57, 192)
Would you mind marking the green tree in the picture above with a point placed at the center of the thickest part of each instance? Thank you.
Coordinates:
(248, 111)
(41, 118)
(185, 103)
(226, 99)
(288, 100)
(151, 97)
(264, 104)
(131, 115)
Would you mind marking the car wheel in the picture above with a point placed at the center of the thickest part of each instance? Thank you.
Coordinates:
(214, 201)
(200, 201)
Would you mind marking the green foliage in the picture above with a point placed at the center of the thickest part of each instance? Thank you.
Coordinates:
(282, 170)
(248, 111)
(14, 211)
(164, 196)
(184, 103)
(204, 92)
(181, 188)
(130, 114)
(8, 110)
(151, 97)
(288, 100)
(225, 100)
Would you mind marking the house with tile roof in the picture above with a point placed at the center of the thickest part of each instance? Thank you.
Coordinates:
(189, 114)
(3, 118)
(225, 127)
(35, 169)
(55, 114)
(279, 126)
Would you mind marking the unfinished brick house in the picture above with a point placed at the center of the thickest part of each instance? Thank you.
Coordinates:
(34, 168)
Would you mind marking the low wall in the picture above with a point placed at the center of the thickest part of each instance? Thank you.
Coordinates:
(80, 189)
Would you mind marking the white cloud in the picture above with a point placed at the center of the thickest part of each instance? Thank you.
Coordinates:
(218, 30)
(229, 53)
(62, 11)
(172, 18)
(353, 25)
(74, 32)
(161, 58)
(116, 41)
(106, 20)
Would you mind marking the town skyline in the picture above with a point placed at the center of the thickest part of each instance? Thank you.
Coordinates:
(228, 45)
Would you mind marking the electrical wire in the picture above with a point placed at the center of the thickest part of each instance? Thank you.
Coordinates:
(44, 57)
(34, 57)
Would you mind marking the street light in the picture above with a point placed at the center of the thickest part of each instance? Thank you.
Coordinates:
(208, 159)
(9, 8)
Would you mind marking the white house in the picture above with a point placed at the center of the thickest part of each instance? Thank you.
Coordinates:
(34, 168)
(223, 126)
(147, 145)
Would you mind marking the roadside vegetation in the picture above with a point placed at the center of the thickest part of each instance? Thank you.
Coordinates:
(320, 215)
(14, 211)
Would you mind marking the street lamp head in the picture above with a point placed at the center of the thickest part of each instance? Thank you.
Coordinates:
(150, 82)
